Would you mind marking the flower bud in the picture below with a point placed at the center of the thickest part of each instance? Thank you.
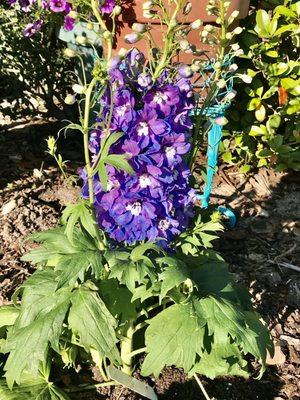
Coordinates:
(90, 26)
(70, 53)
(195, 68)
(245, 78)
(149, 14)
(235, 46)
(184, 44)
(234, 14)
(187, 8)
(233, 67)
(221, 121)
(139, 28)
(196, 24)
(106, 34)
(230, 96)
(173, 23)
(51, 145)
(78, 88)
(209, 28)
(122, 52)
(70, 99)
(185, 71)
(229, 35)
(81, 40)
(238, 30)
(132, 38)
(221, 83)
(147, 5)
(73, 14)
(117, 10)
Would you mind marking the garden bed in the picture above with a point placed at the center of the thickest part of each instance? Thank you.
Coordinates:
(32, 194)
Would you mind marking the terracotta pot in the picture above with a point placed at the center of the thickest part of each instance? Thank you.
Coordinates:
(133, 12)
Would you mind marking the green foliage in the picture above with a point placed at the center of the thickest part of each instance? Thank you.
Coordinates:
(183, 306)
(32, 388)
(33, 72)
(264, 121)
(91, 321)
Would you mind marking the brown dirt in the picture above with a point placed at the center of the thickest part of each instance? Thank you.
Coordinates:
(261, 251)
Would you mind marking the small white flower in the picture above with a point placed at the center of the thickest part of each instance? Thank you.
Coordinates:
(221, 83)
(117, 10)
(233, 67)
(122, 52)
(81, 40)
(139, 28)
(73, 14)
(221, 121)
(147, 5)
(70, 53)
(235, 46)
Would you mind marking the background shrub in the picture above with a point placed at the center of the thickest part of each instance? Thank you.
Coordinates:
(33, 70)
(264, 127)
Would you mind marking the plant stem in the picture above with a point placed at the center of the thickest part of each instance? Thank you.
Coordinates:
(138, 351)
(202, 388)
(126, 350)
(85, 129)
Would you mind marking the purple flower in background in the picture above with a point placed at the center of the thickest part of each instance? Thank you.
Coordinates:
(25, 4)
(58, 5)
(69, 23)
(157, 201)
(31, 29)
(107, 6)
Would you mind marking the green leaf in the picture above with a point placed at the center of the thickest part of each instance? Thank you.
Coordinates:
(72, 260)
(90, 319)
(29, 346)
(119, 162)
(8, 315)
(173, 275)
(32, 388)
(103, 175)
(108, 142)
(262, 23)
(75, 213)
(291, 85)
(221, 358)
(118, 300)
(126, 271)
(173, 337)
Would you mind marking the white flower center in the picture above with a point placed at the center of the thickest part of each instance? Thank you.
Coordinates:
(144, 181)
(163, 224)
(143, 129)
(135, 208)
(121, 111)
(170, 153)
(160, 97)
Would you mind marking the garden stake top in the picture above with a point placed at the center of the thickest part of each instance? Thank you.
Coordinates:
(130, 269)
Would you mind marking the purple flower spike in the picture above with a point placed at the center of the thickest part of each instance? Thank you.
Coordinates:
(156, 203)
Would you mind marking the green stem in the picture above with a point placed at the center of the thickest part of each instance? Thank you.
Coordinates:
(126, 350)
(138, 351)
(85, 129)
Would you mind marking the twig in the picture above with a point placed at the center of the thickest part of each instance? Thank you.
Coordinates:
(286, 253)
(202, 388)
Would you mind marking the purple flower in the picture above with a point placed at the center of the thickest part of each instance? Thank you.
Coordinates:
(69, 23)
(31, 29)
(58, 5)
(156, 202)
(163, 98)
(107, 6)
(25, 4)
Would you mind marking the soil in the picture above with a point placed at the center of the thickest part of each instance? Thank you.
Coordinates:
(262, 251)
